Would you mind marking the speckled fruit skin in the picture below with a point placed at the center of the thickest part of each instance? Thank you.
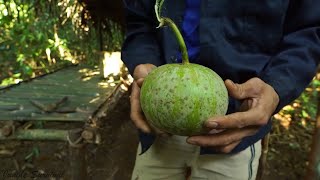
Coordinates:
(178, 98)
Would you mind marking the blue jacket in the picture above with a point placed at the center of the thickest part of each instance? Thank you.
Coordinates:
(275, 40)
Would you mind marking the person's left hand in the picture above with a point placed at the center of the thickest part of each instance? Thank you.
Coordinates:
(259, 101)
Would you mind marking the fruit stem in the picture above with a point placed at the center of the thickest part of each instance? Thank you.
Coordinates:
(164, 21)
(182, 44)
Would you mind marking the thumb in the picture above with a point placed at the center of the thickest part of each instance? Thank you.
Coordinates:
(140, 82)
(241, 91)
(142, 70)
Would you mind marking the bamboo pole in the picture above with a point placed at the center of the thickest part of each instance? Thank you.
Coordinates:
(37, 134)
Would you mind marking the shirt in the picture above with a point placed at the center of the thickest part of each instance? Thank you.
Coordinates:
(190, 30)
(276, 41)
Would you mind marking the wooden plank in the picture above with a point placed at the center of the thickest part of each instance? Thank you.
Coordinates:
(9, 107)
(9, 87)
(87, 96)
(49, 98)
(78, 117)
(70, 87)
(50, 93)
(72, 102)
(61, 84)
(109, 103)
(52, 96)
(22, 112)
(85, 107)
(73, 90)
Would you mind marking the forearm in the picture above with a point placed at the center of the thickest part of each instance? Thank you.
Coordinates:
(293, 68)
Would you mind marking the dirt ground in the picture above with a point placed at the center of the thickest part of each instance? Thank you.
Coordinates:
(114, 158)
(289, 150)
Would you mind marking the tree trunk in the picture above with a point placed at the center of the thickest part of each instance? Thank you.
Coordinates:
(313, 170)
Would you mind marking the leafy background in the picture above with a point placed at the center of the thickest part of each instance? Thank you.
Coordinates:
(38, 37)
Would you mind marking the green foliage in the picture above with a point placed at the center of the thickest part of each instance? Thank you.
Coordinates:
(308, 100)
(39, 36)
(304, 108)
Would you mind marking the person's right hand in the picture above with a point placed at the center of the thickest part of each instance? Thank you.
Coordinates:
(136, 114)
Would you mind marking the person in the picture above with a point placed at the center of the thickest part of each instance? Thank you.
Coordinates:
(266, 51)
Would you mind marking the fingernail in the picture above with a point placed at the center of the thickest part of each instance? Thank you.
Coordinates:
(231, 82)
(216, 131)
(213, 124)
(191, 141)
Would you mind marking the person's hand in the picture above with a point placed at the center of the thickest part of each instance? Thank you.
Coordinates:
(259, 101)
(136, 114)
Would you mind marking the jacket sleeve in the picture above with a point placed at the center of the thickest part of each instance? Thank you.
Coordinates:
(294, 66)
(140, 45)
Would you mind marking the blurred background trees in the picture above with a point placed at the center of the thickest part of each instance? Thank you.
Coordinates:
(40, 36)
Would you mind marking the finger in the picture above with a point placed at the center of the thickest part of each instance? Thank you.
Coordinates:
(226, 149)
(136, 112)
(223, 139)
(252, 117)
(249, 89)
(159, 132)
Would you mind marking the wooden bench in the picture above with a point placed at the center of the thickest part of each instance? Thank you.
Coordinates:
(76, 95)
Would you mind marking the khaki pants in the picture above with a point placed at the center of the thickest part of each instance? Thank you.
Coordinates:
(168, 159)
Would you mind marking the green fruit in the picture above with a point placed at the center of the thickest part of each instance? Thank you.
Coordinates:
(179, 98)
